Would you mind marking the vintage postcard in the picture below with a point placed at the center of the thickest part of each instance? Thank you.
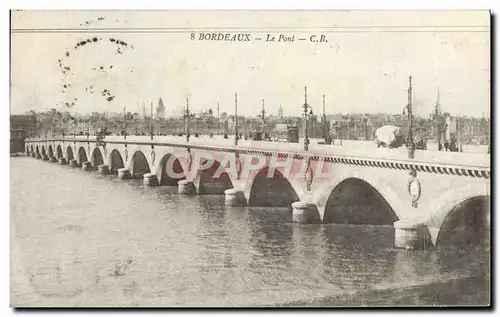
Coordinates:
(250, 158)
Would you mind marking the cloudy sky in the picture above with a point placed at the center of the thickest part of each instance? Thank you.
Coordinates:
(363, 67)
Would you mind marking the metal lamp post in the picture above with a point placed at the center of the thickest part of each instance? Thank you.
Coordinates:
(187, 116)
(151, 123)
(246, 129)
(235, 119)
(338, 130)
(307, 114)
(409, 141)
(325, 128)
(62, 127)
(125, 125)
(186, 121)
(365, 128)
(218, 120)
(263, 117)
(197, 118)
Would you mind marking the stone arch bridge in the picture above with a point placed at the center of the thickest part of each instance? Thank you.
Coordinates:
(430, 203)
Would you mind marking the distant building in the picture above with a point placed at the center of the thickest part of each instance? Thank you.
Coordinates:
(474, 130)
(160, 110)
(451, 129)
(280, 113)
(21, 126)
(206, 114)
(281, 127)
(111, 114)
(27, 123)
(225, 126)
(143, 111)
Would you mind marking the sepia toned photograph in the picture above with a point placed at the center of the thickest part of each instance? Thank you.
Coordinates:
(250, 158)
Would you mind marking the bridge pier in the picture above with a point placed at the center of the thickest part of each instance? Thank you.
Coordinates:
(124, 173)
(411, 235)
(305, 212)
(45, 157)
(62, 161)
(33, 154)
(86, 166)
(53, 159)
(103, 169)
(234, 197)
(150, 179)
(186, 187)
(38, 156)
(73, 163)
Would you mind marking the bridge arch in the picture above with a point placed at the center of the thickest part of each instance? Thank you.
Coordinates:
(355, 201)
(456, 209)
(346, 187)
(32, 148)
(115, 161)
(97, 158)
(466, 225)
(37, 149)
(43, 150)
(51, 151)
(275, 191)
(208, 184)
(139, 164)
(82, 155)
(59, 151)
(171, 170)
(69, 153)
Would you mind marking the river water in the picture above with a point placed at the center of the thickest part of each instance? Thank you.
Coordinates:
(80, 238)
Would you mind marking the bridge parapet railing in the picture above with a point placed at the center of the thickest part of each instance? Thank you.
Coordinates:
(363, 150)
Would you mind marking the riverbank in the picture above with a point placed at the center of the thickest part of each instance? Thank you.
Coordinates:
(463, 291)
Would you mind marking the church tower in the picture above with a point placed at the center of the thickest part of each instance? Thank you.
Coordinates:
(160, 110)
(280, 112)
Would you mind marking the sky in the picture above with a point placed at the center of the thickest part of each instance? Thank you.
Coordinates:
(363, 66)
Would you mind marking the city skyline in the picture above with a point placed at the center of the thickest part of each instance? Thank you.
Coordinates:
(205, 112)
(358, 71)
